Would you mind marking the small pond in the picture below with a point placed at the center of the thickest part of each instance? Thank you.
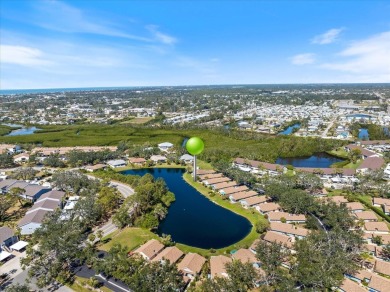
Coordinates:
(317, 160)
(193, 219)
(289, 130)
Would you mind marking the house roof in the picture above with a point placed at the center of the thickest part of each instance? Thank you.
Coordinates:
(350, 286)
(186, 157)
(381, 201)
(5, 233)
(338, 199)
(375, 142)
(289, 229)
(192, 262)
(232, 190)
(137, 160)
(245, 256)
(217, 180)
(116, 162)
(223, 185)
(366, 215)
(34, 217)
(287, 216)
(150, 248)
(158, 158)
(258, 164)
(217, 265)
(165, 144)
(21, 155)
(372, 163)
(272, 236)
(53, 195)
(32, 190)
(385, 237)
(6, 183)
(327, 171)
(354, 206)
(171, 254)
(376, 226)
(243, 195)
(267, 207)
(96, 166)
(210, 176)
(382, 267)
(379, 283)
(44, 205)
(204, 171)
(19, 184)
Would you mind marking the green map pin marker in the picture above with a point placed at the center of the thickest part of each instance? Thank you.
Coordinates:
(195, 145)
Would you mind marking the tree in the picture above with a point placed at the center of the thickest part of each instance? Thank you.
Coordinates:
(18, 288)
(87, 210)
(271, 256)
(24, 173)
(155, 276)
(386, 252)
(17, 192)
(109, 199)
(6, 160)
(54, 161)
(75, 182)
(122, 217)
(6, 202)
(261, 226)
(59, 249)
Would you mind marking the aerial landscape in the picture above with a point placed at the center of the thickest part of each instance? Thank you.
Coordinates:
(194, 146)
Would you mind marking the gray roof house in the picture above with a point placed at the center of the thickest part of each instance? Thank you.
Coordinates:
(7, 237)
(186, 158)
(116, 163)
(32, 221)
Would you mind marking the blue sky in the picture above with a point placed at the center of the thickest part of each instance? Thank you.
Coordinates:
(55, 44)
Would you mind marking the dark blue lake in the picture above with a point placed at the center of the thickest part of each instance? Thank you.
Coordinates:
(289, 130)
(23, 131)
(193, 219)
(317, 160)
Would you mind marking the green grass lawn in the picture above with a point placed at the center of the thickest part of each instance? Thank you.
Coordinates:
(353, 165)
(339, 152)
(132, 237)
(78, 286)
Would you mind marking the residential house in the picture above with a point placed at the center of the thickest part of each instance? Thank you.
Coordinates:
(383, 203)
(232, 190)
(32, 221)
(378, 284)
(245, 256)
(158, 158)
(268, 207)
(376, 227)
(216, 180)
(272, 236)
(7, 238)
(217, 266)
(96, 167)
(165, 146)
(371, 163)
(21, 158)
(382, 267)
(205, 171)
(366, 216)
(236, 197)
(355, 207)
(191, 265)
(338, 199)
(223, 185)
(171, 254)
(139, 161)
(150, 249)
(33, 192)
(289, 229)
(350, 286)
(210, 176)
(187, 158)
(289, 218)
(116, 163)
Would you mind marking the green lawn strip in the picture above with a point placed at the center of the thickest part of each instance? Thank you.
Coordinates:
(203, 164)
(341, 153)
(354, 165)
(132, 237)
(78, 285)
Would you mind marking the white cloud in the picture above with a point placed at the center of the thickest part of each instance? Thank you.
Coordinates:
(21, 55)
(161, 37)
(368, 58)
(59, 16)
(328, 37)
(303, 59)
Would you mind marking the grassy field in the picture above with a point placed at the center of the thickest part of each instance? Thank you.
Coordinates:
(131, 237)
(261, 147)
(138, 121)
(339, 152)
(354, 165)
(78, 286)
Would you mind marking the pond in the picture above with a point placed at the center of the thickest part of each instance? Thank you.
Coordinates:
(289, 130)
(193, 219)
(23, 131)
(363, 134)
(317, 160)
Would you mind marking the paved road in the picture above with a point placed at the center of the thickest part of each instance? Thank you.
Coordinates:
(325, 133)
